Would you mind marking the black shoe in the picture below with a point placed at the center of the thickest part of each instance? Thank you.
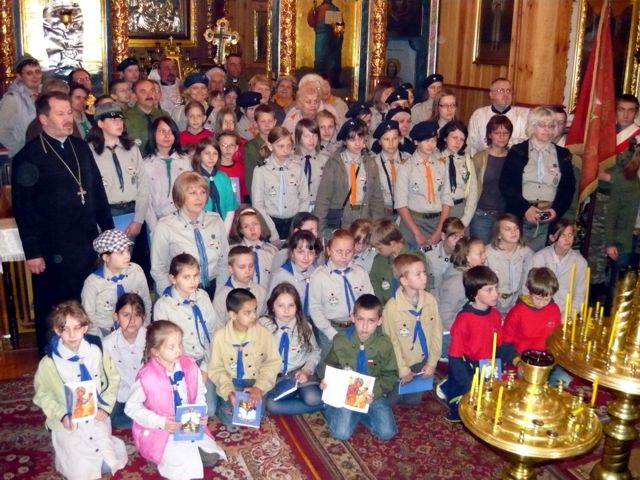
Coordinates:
(208, 459)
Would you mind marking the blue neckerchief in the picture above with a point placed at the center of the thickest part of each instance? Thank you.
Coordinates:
(418, 333)
(202, 255)
(228, 283)
(177, 377)
(283, 348)
(99, 271)
(348, 289)
(239, 362)
(361, 361)
(213, 189)
(288, 266)
(307, 170)
(199, 321)
(256, 260)
(84, 371)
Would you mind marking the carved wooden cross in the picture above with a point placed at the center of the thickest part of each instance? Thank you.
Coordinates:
(223, 37)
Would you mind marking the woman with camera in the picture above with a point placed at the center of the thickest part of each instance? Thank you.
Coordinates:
(537, 180)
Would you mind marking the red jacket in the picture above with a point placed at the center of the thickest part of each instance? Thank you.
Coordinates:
(527, 327)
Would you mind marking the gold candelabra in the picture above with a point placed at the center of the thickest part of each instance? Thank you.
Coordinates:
(528, 420)
(608, 353)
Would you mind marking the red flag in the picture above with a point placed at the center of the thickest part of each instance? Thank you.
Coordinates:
(593, 131)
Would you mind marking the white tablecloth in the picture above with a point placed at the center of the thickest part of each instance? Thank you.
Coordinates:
(10, 245)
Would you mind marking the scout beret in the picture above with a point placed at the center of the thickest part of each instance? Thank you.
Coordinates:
(424, 131)
(434, 77)
(396, 110)
(384, 127)
(406, 86)
(108, 110)
(356, 109)
(347, 126)
(248, 99)
(127, 62)
(111, 241)
(195, 77)
(397, 94)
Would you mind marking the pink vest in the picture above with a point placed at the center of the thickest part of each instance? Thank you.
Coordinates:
(157, 388)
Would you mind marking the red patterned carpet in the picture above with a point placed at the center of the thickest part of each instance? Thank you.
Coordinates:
(293, 448)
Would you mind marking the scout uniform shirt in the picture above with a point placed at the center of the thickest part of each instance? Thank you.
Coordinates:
(399, 323)
(260, 359)
(512, 272)
(355, 171)
(176, 233)
(420, 185)
(297, 356)
(300, 279)
(127, 184)
(388, 170)
(541, 174)
(100, 294)
(333, 291)
(263, 255)
(312, 166)
(127, 358)
(382, 278)
(438, 261)
(220, 298)
(463, 185)
(162, 173)
(197, 318)
(280, 188)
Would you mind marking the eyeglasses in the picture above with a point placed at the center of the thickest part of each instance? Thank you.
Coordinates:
(342, 253)
(549, 126)
(227, 145)
(447, 105)
(503, 90)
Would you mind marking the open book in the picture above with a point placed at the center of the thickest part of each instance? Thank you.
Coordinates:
(82, 401)
(284, 387)
(348, 389)
(244, 415)
(189, 416)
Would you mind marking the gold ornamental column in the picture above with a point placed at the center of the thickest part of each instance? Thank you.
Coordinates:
(287, 37)
(269, 38)
(119, 30)
(8, 45)
(378, 41)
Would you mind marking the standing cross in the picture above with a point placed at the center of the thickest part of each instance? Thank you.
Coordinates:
(222, 37)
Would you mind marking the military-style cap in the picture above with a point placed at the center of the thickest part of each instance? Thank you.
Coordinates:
(347, 127)
(396, 110)
(127, 62)
(24, 59)
(356, 109)
(196, 77)
(424, 131)
(111, 241)
(433, 78)
(108, 110)
(384, 127)
(249, 99)
(397, 94)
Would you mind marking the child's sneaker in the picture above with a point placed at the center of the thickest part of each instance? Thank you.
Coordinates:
(454, 416)
(439, 392)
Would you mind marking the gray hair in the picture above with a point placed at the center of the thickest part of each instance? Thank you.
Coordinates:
(535, 116)
(287, 78)
(218, 70)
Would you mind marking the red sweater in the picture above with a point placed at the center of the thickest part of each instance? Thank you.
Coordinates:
(472, 333)
(527, 327)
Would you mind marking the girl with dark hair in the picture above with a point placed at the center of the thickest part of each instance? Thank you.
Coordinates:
(298, 349)
(164, 163)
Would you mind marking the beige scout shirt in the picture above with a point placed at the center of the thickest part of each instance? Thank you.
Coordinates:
(541, 174)
(411, 185)
(280, 189)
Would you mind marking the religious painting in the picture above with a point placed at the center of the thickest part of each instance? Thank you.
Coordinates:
(64, 35)
(328, 34)
(402, 19)
(624, 32)
(494, 22)
(152, 21)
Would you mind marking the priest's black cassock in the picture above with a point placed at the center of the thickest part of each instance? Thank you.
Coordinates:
(58, 213)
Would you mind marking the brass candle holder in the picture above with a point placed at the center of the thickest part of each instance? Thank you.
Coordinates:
(528, 420)
(610, 352)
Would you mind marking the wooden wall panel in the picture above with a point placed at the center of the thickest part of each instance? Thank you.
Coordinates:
(540, 40)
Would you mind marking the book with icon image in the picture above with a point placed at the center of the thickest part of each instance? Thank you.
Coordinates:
(244, 414)
(347, 389)
(189, 417)
(82, 401)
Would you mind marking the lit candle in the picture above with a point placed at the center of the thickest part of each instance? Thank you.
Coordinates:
(594, 392)
(498, 406)
(493, 354)
(474, 384)
(480, 389)
(613, 329)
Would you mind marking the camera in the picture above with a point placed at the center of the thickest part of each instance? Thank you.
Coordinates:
(544, 216)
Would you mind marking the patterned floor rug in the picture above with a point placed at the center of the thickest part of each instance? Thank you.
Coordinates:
(292, 448)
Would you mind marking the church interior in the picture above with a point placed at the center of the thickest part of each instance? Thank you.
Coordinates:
(541, 47)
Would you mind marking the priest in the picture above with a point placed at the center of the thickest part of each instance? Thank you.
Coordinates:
(59, 202)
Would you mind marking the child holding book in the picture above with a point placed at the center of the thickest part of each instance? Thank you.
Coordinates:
(364, 253)
(190, 308)
(222, 199)
(125, 345)
(251, 157)
(244, 356)
(335, 287)
(303, 248)
(279, 187)
(510, 258)
(307, 153)
(241, 268)
(412, 322)
(250, 229)
(350, 185)
(560, 257)
(169, 379)
(439, 256)
(115, 276)
(535, 315)
(87, 449)
(298, 349)
(472, 335)
(388, 241)
(363, 348)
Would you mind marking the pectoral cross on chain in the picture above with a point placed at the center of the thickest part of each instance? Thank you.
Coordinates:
(81, 193)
